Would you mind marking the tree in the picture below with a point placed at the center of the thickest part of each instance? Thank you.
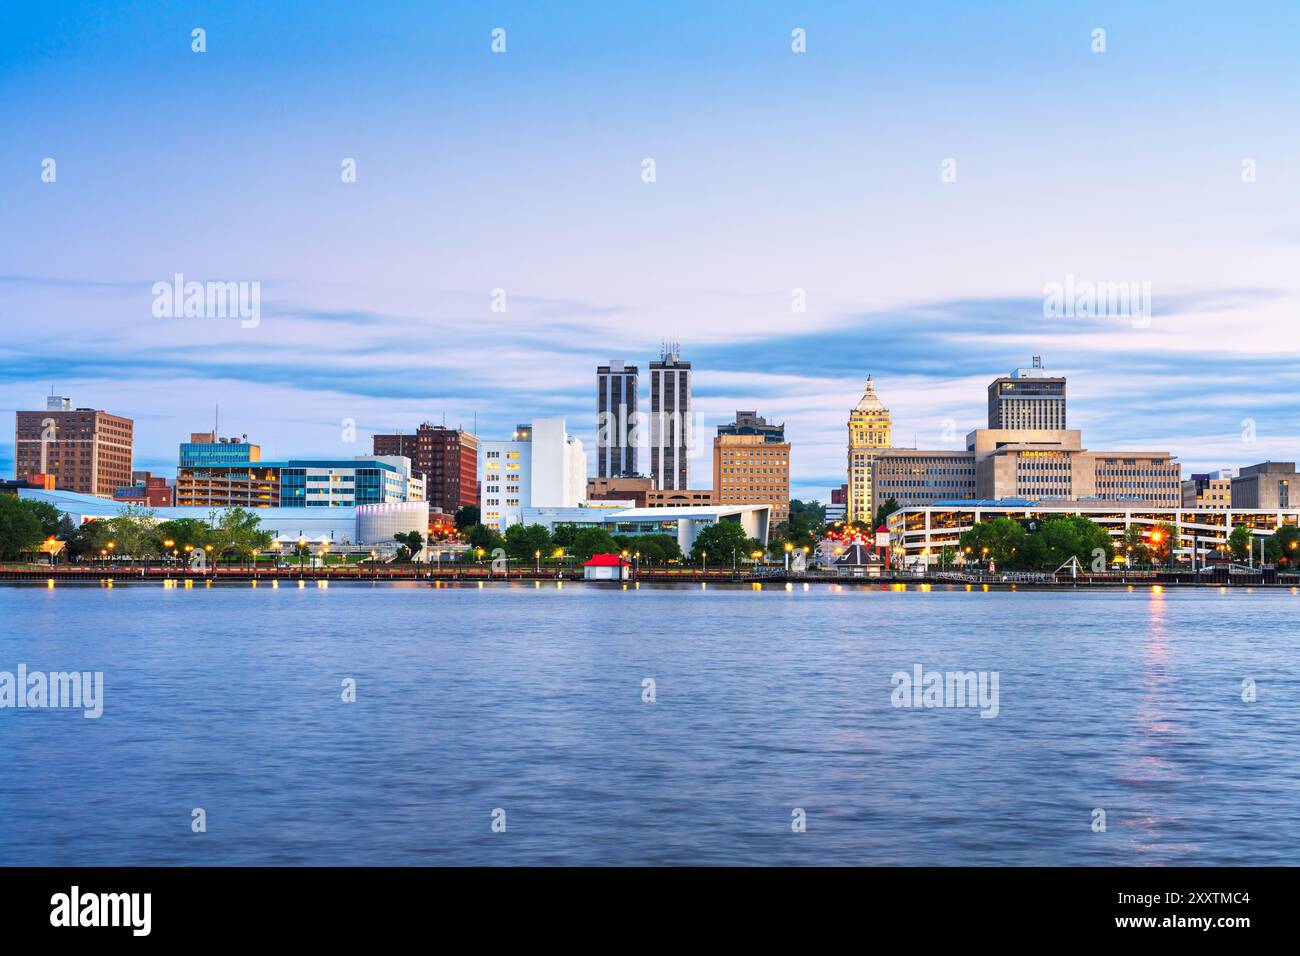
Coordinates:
(467, 516)
(1163, 538)
(132, 532)
(887, 508)
(480, 536)
(47, 514)
(87, 539)
(235, 531)
(726, 541)
(20, 526)
(1059, 538)
(524, 541)
(183, 531)
(1134, 546)
(410, 543)
(998, 540)
(1240, 542)
(563, 535)
(1283, 547)
(589, 541)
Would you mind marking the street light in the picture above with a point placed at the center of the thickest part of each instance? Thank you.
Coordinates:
(704, 561)
(788, 548)
(537, 561)
(302, 543)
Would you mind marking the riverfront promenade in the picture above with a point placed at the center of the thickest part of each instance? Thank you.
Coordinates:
(124, 574)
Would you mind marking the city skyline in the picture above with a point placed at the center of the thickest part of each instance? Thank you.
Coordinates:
(801, 184)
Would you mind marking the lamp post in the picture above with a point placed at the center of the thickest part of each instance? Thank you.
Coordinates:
(636, 561)
(537, 561)
(704, 561)
(302, 543)
(788, 548)
(255, 553)
(168, 545)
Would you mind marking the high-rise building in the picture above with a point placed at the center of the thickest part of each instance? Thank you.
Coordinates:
(205, 449)
(751, 465)
(869, 432)
(670, 419)
(1029, 455)
(87, 451)
(616, 389)
(540, 466)
(1027, 399)
(447, 458)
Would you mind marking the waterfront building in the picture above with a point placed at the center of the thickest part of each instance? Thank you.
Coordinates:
(869, 432)
(616, 394)
(1028, 398)
(301, 482)
(345, 483)
(606, 567)
(87, 451)
(341, 528)
(446, 458)
(670, 419)
(929, 535)
(918, 477)
(541, 465)
(1210, 490)
(206, 450)
(1265, 485)
(751, 465)
(248, 485)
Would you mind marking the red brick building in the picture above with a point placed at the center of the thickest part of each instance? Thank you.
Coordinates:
(147, 489)
(87, 451)
(446, 457)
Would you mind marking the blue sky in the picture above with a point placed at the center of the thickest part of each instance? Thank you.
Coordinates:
(775, 171)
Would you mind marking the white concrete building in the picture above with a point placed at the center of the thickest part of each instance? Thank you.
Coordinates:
(540, 466)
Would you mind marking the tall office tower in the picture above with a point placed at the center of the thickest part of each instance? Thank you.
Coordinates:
(670, 419)
(751, 465)
(869, 432)
(1027, 399)
(446, 457)
(87, 451)
(615, 420)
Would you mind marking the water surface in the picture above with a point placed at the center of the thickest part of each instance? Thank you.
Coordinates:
(530, 700)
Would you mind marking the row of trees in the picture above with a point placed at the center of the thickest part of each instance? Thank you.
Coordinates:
(1047, 543)
(535, 542)
(134, 533)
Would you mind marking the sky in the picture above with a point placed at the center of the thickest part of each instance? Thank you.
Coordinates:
(919, 177)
